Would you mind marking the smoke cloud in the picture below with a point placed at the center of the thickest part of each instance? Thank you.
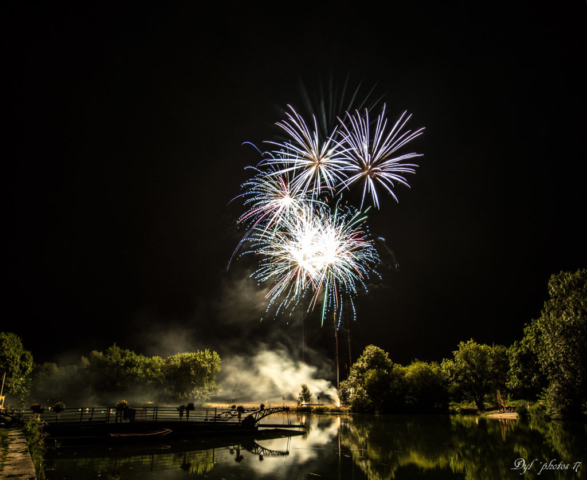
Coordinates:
(271, 377)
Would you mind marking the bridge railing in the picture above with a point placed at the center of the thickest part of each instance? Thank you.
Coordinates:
(139, 414)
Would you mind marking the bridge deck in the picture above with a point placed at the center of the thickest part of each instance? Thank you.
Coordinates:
(93, 416)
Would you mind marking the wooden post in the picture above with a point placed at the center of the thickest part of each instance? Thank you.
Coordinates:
(2, 389)
(303, 333)
(339, 452)
(348, 336)
(336, 353)
(215, 413)
(81, 414)
(156, 413)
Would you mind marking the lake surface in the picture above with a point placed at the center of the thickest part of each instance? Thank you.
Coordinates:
(347, 447)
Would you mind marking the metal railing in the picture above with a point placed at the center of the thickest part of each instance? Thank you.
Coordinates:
(140, 414)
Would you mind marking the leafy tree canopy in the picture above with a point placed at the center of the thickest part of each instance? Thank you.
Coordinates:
(476, 370)
(191, 375)
(16, 362)
(372, 358)
(526, 379)
(104, 377)
(305, 395)
(375, 383)
(562, 349)
(426, 385)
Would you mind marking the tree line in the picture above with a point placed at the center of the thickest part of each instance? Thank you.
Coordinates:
(102, 378)
(548, 364)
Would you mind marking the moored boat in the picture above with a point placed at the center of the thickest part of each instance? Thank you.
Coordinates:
(138, 436)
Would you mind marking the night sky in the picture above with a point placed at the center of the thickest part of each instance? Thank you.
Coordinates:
(125, 129)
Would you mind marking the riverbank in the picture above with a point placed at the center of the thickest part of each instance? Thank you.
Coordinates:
(17, 463)
(503, 416)
(29, 433)
(3, 446)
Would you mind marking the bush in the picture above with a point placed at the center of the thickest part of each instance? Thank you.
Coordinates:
(427, 388)
(35, 439)
(387, 389)
(520, 403)
(538, 410)
(304, 409)
(37, 408)
(360, 401)
(522, 411)
(461, 407)
(561, 400)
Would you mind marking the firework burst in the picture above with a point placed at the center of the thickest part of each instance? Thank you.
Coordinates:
(325, 254)
(305, 247)
(314, 163)
(270, 196)
(371, 159)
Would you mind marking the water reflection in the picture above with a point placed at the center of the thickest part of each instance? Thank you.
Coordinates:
(353, 447)
(461, 447)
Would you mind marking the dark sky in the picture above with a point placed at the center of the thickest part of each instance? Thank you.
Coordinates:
(123, 150)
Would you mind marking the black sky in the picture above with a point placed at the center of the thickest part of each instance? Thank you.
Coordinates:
(124, 133)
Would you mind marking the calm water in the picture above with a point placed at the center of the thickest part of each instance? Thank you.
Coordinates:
(347, 447)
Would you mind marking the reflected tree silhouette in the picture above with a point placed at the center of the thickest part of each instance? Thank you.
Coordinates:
(475, 447)
(378, 447)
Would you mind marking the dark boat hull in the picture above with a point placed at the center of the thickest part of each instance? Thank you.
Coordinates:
(138, 437)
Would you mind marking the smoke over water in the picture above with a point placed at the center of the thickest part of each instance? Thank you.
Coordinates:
(260, 354)
(270, 377)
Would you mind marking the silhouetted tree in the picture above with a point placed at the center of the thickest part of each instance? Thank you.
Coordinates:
(305, 395)
(476, 370)
(17, 363)
(427, 387)
(526, 379)
(562, 345)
